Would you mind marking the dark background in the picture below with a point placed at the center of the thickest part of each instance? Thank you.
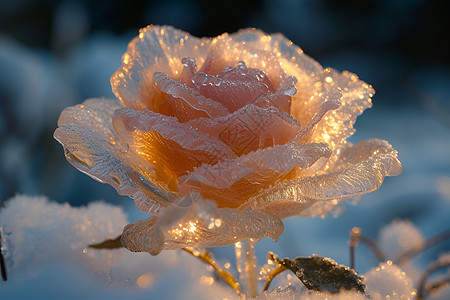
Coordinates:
(58, 53)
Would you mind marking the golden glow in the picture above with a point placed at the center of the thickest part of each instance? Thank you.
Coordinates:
(145, 280)
(192, 226)
(206, 280)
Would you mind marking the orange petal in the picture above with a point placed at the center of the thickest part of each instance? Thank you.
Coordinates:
(163, 147)
(232, 182)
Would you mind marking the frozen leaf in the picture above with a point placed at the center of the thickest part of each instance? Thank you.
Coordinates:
(108, 244)
(323, 274)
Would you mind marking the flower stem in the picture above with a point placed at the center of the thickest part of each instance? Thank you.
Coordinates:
(246, 265)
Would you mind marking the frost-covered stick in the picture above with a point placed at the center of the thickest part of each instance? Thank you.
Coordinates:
(2, 261)
(432, 241)
(437, 285)
(206, 257)
(440, 264)
(355, 238)
(246, 265)
(272, 275)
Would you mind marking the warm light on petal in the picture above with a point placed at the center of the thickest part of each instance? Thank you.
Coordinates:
(202, 225)
(156, 49)
(362, 170)
(90, 144)
(232, 182)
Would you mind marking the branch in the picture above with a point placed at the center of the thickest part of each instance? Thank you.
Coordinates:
(432, 241)
(272, 275)
(355, 238)
(206, 257)
(440, 264)
(2, 261)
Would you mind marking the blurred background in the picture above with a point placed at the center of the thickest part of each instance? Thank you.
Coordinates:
(57, 53)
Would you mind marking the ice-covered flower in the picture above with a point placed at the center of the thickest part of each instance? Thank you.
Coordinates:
(221, 138)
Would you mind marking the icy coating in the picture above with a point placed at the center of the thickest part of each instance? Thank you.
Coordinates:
(246, 121)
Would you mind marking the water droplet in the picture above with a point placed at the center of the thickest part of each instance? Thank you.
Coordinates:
(123, 148)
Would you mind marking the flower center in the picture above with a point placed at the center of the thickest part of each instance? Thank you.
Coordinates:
(235, 87)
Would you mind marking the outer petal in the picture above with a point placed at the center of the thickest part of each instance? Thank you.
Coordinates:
(337, 126)
(360, 169)
(294, 62)
(90, 145)
(202, 225)
(156, 49)
(232, 182)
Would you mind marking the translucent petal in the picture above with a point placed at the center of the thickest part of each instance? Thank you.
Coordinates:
(187, 103)
(289, 61)
(164, 147)
(250, 128)
(156, 49)
(337, 126)
(90, 144)
(359, 170)
(202, 225)
(232, 182)
(227, 50)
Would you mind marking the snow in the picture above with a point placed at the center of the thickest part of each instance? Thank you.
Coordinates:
(46, 250)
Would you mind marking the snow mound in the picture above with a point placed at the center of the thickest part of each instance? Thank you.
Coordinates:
(398, 237)
(36, 230)
(388, 280)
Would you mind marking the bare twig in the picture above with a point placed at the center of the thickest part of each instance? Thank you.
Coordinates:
(437, 284)
(206, 257)
(2, 261)
(355, 238)
(422, 289)
(272, 275)
(433, 241)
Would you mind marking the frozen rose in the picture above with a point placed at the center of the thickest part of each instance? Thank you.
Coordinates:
(222, 138)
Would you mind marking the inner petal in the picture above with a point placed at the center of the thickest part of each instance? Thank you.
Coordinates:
(250, 128)
(234, 87)
(187, 103)
(233, 94)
